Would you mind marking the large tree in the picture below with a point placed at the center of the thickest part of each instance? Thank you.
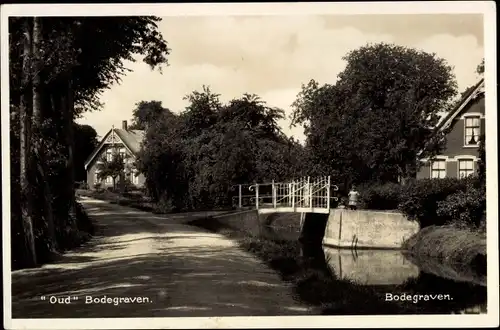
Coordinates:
(379, 117)
(146, 113)
(56, 73)
(192, 160)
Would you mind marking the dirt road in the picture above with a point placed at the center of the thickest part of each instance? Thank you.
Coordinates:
(144, 265)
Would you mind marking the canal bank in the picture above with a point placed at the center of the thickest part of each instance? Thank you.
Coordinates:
(459, 250)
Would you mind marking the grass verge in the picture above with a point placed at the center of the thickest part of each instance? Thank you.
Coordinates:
(451, 246)
(136, 201)
(313, 284)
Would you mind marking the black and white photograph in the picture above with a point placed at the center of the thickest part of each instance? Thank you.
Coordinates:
(221, 165)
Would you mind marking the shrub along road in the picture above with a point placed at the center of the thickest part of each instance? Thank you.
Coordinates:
(175, 269)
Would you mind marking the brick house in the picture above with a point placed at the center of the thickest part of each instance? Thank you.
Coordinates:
(466, 123)
(125, 141)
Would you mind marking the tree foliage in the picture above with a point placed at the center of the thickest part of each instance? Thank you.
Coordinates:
(146, 113)
(57, 73)
(193, 159)
(379, 117)
(114, 168)
(480, 67)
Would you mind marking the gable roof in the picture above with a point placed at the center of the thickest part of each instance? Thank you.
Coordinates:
(131, 139)
(448, 118)
(464, 102)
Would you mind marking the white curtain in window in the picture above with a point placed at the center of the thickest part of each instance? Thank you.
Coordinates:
(465, 167)
(472, 130)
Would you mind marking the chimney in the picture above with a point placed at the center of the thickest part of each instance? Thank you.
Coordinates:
(124, 125)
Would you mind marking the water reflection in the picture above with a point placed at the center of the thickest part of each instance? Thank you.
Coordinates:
(457, 273)
(393, 271)
(369, 267)
(466, 298)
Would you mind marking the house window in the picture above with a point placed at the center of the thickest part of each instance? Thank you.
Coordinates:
(96, 176)
(109, 180)
(438, 169)
(109, 155)
(465, 167)
(135, 177)
(122, 153)
(472, 130)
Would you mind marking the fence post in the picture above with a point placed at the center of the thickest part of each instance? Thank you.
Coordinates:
(257, 196)
(274, 195)
(239, 196)
(328, 194)
(292, 194)
(310, 197)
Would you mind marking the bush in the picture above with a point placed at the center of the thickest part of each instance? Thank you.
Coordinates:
(97, 186)
(128, 185)
(420, 199)
(164, 205)
(381, 196)
(467, 208)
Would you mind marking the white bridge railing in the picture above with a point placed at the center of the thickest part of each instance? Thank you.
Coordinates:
(303, 195)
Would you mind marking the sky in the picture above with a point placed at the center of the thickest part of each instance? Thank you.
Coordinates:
(272, 56)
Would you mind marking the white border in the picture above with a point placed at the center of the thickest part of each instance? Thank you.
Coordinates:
(415, 7)
(246, 9)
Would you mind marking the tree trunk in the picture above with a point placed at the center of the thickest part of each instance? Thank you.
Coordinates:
(68, 113)
(411, 173)
(25, 110)
(122, 181)
(38, 146)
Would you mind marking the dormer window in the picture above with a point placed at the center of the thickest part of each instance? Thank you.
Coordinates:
(472, 130)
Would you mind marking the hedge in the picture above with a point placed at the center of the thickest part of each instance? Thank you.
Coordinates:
(381, 197)
(431, 201)
(421, 199)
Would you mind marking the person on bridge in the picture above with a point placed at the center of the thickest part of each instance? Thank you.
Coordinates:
(353, 198)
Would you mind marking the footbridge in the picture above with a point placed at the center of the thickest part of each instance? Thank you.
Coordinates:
(320, 221)
(304, 195)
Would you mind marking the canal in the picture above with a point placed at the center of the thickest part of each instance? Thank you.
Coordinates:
(356, 282)
(394, 275)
